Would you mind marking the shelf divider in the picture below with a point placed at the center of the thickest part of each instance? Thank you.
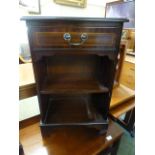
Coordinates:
(73, 86)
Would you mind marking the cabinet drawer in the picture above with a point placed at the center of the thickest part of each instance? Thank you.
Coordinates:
(74, 37)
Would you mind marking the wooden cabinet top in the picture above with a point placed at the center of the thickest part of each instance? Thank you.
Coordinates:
(47, 18)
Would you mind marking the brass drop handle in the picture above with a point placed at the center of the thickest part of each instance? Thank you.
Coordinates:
(68, 37)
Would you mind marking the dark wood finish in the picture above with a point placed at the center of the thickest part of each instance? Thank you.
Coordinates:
(77, 141)
(28, 87)
(74, 74)
(45, 37)
(71, 19)
(62, 107)
(78, 86)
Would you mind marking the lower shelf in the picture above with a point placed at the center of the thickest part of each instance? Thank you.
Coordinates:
(98, 129)
(72, 111)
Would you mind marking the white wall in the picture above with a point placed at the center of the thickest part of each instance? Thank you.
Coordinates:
(28, 108)
(95, 8)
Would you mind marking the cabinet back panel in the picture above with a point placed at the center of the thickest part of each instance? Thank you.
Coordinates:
(71, 67)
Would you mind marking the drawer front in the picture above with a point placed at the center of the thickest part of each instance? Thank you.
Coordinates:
(128, 75)
(94, 37)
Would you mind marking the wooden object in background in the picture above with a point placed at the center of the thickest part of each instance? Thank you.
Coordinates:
(123, 98)
(76, 3)
(129, 37)
(27, 86)
(131, 41)
(70, 141)
(128, 122)
(120, 95)
(29, 121)
(120, 62)
(123, 103)
(26, 75)
(128, 75)
(117, 111)
(74, 62)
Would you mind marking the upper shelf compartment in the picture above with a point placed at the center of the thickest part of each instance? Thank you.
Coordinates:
(74, 74)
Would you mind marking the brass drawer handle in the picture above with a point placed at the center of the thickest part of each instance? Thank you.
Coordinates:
(68, 37)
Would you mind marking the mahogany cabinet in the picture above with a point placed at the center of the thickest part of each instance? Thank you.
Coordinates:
(74, 61)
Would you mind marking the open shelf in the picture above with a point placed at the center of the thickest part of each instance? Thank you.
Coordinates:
(61, 85)
(72, 111)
